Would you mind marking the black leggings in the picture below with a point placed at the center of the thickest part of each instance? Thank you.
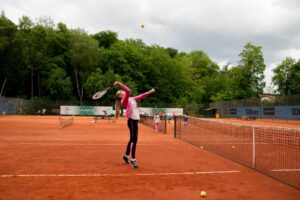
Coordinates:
(133, 128)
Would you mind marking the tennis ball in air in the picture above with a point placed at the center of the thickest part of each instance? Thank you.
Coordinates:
(233, 147)
(203, 194)
(202, 147)
(142, 26)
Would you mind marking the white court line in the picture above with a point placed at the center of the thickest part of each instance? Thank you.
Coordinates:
(233, 139)
(73, 144)
(119, 175)
(285, 170)
(230, 143)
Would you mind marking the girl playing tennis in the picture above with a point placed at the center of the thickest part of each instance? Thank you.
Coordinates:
(133, 115)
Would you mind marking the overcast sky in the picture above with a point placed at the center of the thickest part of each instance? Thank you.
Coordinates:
(221, 28)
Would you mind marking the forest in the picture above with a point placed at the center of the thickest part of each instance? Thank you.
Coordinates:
(44, 60)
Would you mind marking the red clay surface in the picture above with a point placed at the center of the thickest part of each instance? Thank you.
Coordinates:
(83, 161)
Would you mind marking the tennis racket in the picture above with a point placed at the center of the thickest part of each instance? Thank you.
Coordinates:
(101, 93)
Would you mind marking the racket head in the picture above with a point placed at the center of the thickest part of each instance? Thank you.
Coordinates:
(100, 94)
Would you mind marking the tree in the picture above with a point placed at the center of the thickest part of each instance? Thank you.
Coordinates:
(252, 63)
(34, 56)
(35, 44)
(202, 70)
(106, 38)
(10, 58)
(25, 23)
(172, 52)
(201, 65)
(58, 85)
(231, 85)
(287, 77)
(46, 22)
(83, 54)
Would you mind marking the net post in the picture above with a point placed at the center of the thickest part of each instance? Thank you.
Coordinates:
(165, 124)
(253, 147)
(175, 121)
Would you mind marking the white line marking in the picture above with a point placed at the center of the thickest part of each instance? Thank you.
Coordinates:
(285, 170)
(74, 144)
(119, 175)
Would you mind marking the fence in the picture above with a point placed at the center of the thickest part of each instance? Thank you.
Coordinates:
(149, 121)
(34, 106)
(272, 151)
(7, 108)
(277, 107)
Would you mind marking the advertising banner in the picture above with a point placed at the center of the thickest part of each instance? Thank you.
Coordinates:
(85, 110)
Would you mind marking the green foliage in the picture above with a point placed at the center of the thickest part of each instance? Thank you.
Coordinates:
(11, 61)
(252, 63)
(83, 54)
(58, 85)
(287, 77)
(48, 61)
(106, 38)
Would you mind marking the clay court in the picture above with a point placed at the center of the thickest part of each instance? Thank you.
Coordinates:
(38, 160)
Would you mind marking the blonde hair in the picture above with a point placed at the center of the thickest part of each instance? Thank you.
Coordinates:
(118, 94)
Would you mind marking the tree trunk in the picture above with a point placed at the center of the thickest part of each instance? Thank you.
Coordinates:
(32, 71)
(3, 85)
(39, 84)
(32, 83)
(77, 85)
(82, 91)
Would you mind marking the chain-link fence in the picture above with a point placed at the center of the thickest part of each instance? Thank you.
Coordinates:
(9, 105)
(275, 107)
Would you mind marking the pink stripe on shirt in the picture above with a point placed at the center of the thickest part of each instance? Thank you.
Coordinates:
(125, 99)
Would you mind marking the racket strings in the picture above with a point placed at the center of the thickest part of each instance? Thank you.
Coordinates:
(99, 94)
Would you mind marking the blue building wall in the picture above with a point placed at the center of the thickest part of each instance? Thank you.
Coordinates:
(280, 112)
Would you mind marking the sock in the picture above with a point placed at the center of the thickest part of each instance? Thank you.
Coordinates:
(126, 156)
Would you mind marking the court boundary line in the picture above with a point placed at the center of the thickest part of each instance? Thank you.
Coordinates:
(285, 170)
(121, 175)
(73, 144)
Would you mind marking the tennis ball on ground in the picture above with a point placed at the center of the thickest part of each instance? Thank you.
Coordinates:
(203, 194)
(202, 147)
(233, 146)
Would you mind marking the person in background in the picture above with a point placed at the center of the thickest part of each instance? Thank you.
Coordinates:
(169, 115)
(185, 121)
(156, 121)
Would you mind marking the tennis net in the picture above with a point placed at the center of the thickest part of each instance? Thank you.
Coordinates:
(65, 121)
(149, 121)
(270, 150)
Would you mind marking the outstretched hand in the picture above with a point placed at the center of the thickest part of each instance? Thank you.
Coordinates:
(115, 83)
(151, 91)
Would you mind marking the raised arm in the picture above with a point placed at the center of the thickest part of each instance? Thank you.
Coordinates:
(141, 96)
(127, 93)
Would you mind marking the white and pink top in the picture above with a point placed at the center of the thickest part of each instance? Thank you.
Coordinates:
(130, 104)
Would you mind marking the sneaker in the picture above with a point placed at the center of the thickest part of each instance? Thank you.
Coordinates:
(133, 164)
(126, 160)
